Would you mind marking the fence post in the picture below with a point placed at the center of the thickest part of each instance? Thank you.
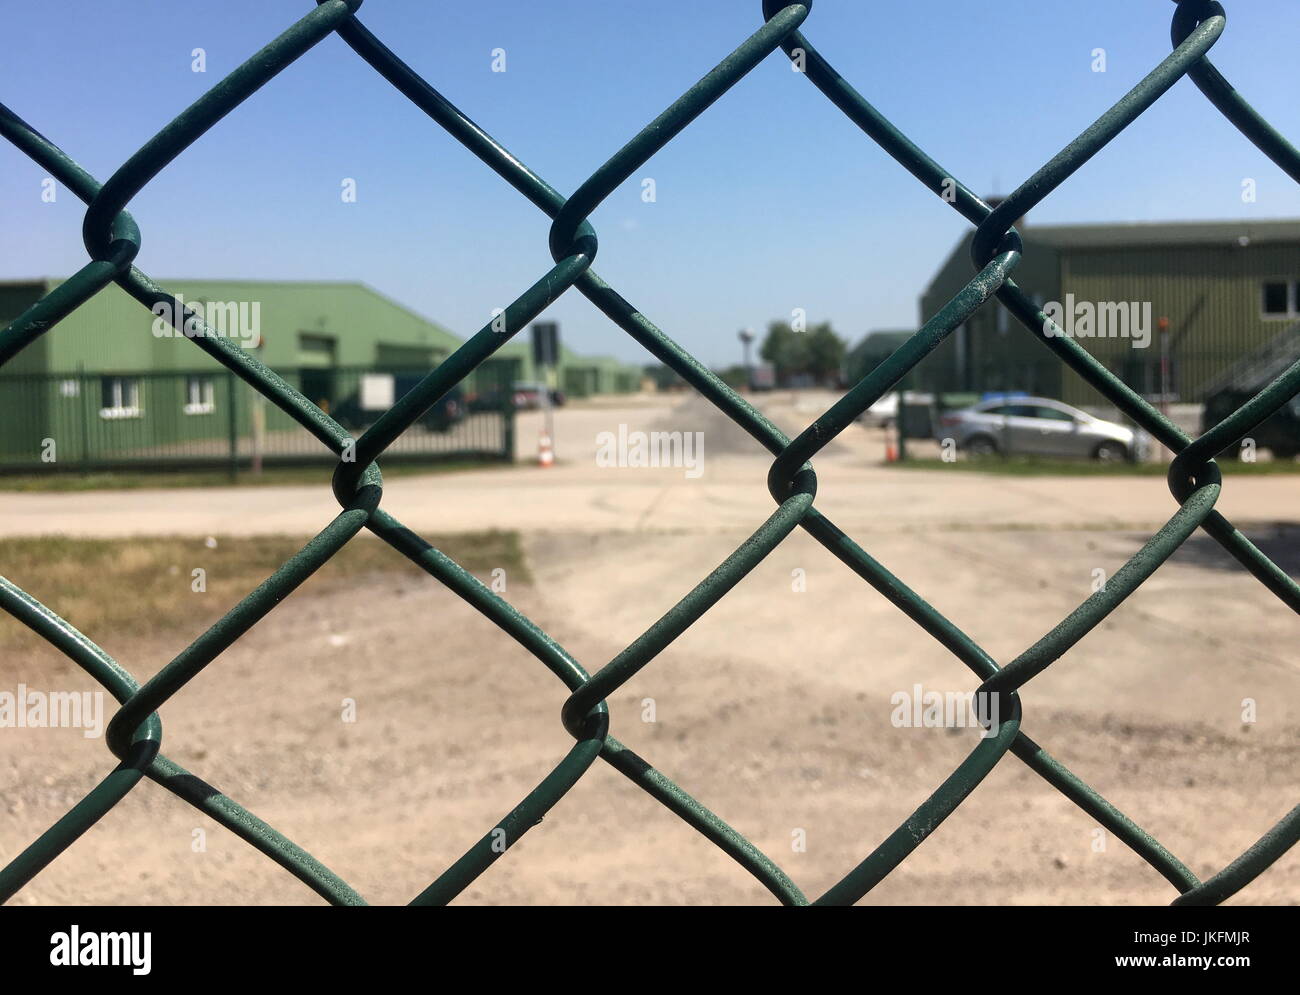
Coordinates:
(83, 387)
(508, 424)
(232, 384)
(901, 423)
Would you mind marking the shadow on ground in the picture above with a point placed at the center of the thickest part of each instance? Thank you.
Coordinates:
(1279, 541)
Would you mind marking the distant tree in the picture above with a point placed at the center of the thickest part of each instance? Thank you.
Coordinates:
(825, 354)
(785, 349)
(817, 353)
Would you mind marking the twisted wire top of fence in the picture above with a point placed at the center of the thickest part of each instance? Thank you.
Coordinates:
(112, 241)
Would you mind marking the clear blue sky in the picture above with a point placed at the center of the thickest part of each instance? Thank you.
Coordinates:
(772, 200)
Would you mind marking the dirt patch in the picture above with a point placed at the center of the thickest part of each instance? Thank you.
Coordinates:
(773, 718)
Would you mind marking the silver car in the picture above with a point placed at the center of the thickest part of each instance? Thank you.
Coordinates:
(1036, 426)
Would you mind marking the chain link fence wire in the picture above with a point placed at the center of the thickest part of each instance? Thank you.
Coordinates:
(112, 240)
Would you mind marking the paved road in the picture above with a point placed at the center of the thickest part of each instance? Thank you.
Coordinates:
(729, 493)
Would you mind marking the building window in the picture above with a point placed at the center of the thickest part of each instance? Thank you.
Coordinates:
(316, 350)
(199, 396)
(119, 397)
(1281, 299)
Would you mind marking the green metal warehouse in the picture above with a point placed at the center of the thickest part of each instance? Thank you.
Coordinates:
(1226, 289)
(577, 376)
(113, 383)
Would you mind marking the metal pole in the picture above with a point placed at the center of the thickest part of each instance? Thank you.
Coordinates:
(1164, 374)
(258, 420)
(548, 414)
(232, 384)
(746, 338)
(508, 423)
(83, 390)
(898, 423)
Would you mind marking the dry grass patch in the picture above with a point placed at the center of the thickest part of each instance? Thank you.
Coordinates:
(144, 587)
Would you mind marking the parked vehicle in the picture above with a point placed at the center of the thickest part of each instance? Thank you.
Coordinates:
(884, 412)
(522, 397)
(1037, 426)
(1279, 433)
(529, 395)
(489, 400)
(448, 411)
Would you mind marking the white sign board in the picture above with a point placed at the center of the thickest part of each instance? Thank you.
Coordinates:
(377, 392)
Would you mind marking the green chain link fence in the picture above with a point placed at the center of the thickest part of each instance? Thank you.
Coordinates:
(113, 240)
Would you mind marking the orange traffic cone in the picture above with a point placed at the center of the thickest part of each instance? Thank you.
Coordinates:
(545, 455)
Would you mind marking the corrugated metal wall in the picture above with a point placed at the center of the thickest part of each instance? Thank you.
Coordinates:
(1211, 296)
(991, 353)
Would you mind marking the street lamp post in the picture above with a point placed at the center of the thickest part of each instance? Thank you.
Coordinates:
(746, 340)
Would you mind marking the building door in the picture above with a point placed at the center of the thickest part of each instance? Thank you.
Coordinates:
(316, 363)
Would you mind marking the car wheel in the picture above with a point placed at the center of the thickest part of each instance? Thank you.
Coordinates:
(1110, 452)
(981, 445)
